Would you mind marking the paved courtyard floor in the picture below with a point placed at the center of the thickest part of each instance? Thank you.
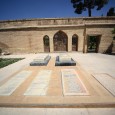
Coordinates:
(94, 75)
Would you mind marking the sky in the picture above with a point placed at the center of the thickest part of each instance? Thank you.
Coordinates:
(28, 9)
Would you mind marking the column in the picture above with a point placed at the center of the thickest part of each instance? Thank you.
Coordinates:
(51, 44)
(69, 43)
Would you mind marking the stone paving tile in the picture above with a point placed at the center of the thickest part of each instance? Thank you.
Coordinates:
(96, 62)
(55, 94)
(101, 111)
(39, 85)
(107, 81)
(9, 70)
(10, 86)
(57, 111)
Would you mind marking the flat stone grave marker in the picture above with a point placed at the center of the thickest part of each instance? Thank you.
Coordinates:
(41, 60)
(107, 81)
(10, 86)
(39, 85)
(72, 84)
(64, 60)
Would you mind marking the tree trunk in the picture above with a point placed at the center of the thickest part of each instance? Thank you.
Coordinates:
(89, 12)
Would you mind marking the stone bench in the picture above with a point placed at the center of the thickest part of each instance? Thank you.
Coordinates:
(64, 60)
(41, 60)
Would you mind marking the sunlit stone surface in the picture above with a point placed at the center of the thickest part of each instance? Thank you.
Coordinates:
(64, 60)
(9, 87)
(72, 84)
(107, 81)
(41, 60)
(39, 85)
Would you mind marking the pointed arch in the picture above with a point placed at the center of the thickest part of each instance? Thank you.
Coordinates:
(60, 41)
(75, 42)
(46, 43)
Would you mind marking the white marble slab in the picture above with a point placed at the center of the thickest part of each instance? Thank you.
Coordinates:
(41, 58)
(107, 81)
(64, 57)
(10, 86)
(72, 84)
(39, 85)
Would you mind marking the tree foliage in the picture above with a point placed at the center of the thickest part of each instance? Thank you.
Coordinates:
(0, 51)
(113, 31)
(83, 5)
(111, 12)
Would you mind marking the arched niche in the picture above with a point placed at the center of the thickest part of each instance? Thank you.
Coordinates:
(60, 41)
(74, 42)
(46, 43)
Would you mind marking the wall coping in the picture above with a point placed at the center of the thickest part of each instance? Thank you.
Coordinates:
(56, 26)
(37, 19)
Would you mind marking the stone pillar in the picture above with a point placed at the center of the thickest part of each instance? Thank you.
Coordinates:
(85, 45)
(41, 45)
(51, 44)
(69, 43)
(85, 40)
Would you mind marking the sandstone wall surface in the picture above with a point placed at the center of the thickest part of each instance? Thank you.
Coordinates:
(26, 36)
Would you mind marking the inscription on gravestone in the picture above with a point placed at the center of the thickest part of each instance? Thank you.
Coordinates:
(72, 85)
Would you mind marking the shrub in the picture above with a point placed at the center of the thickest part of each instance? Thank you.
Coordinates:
(6, 61)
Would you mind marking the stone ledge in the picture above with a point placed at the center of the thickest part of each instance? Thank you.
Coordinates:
(56, 26)
(61, 105)
(60, 18)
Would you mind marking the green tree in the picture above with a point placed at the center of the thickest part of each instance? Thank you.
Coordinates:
(111, 12)
(0, 51)
(113, 31)
(83, 5)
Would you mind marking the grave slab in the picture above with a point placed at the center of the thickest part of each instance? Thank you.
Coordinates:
(107, 81)
(9, 87)
(42, 60)
(64, 60)
(39, 85)
(72, 84)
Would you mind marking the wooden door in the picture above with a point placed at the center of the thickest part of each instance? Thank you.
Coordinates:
(60, 41)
